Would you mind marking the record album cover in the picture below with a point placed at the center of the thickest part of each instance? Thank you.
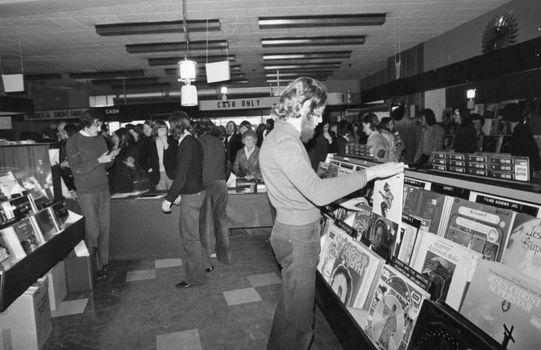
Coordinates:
(28, 237)
(393, 310)
(333, 243)
(523, 249)
(11, 242)
(479, 227)
(382, 235)
(46, 224)
(427, 207)
(408, 236)
(447, 264)
(387, 197)
(505, 304)
(354, 272)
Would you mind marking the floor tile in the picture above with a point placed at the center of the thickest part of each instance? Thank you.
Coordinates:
(185, 340)
(164, 263)
(140, 275)
(241, 296)
(264, 279)
(71, 307)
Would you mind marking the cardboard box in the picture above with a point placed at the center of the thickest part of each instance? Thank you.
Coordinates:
(57, 285)
(26, 324)
(81, 273)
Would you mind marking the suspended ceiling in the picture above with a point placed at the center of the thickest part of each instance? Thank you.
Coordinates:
(92, 44)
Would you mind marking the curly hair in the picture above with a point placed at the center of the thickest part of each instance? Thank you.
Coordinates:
(296, 93)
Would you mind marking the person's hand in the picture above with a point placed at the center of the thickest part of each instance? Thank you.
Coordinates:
(64, 164)
(130, 162)
(149, 170)
(166, 206)
(177, 200)
(382, 171)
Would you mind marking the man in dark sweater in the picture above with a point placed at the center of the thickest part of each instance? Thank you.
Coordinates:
(88, 157)
(213, 216)
(188, 192)
(295, 191)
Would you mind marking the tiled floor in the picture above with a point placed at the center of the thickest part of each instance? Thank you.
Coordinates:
(138, 307)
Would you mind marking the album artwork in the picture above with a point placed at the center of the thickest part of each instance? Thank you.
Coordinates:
(11, 242)
(523, 249)
(362, 221)
(28, 237)
(426, 206)
(440, 327)
(354, 272)
(333, 243)
(46, 224)
(7, 259)
(393, 310)
(447, 264)
(9, 186)
(323, 170)
(60, 213)
(408, 236)
(479, 227)
(387, 197)
(381, 235)
(506, 304)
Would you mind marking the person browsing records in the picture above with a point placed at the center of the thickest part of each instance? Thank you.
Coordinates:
(296, 191)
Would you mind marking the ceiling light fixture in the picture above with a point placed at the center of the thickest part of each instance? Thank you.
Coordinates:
(187, 70)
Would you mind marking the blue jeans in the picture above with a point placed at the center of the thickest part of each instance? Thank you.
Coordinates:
(96, 208)
(214, 219)
(190, 207)
(297, 251)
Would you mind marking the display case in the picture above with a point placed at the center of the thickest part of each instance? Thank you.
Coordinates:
(462, 220)
(35, 231)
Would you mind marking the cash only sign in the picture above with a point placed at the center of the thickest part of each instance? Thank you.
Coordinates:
(236, 104)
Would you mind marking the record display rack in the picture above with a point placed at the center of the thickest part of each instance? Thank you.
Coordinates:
(347, 330)
(25, 272)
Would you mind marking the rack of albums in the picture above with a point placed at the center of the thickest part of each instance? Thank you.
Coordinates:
(36, 233)
(424, 260)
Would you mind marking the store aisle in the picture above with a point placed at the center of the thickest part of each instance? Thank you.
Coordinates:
(138, 307)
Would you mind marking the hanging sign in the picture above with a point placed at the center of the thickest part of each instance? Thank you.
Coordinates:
(239, 103)
(56, 114)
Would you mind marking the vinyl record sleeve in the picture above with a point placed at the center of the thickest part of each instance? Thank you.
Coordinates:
(523, 249)
(479, 227)
(394, 309)
(448, 265)
(502, 301)
(387, 197)
(28, 236)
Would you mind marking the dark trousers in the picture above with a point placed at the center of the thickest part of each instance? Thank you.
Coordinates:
(190, 207)
(297, 250)
(213, 219)
(96, 208)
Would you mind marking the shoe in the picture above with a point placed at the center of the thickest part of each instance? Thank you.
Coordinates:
(210, 269)
(183, 285)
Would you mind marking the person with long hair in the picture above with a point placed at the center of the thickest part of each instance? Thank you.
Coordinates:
(296, 191)
(376, 141)
(154, 157)
(125, 162)
(188, 192)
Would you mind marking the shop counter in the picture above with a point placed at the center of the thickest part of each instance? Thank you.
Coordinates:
(140, 230)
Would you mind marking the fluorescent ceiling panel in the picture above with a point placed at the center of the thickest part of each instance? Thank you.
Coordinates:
(312, 66)
(169, 61)
(161, 27)
(131, 81)
(307, 55)
(108, 75)
(364, 19)
(314, 41)
(176, 46)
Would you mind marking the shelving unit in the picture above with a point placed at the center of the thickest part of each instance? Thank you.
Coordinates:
(25, 272)
(348, 331)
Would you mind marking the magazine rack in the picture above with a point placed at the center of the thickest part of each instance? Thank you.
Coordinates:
(348, 331)
(25, 272)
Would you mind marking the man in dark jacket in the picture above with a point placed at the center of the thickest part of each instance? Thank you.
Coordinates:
(213, 217)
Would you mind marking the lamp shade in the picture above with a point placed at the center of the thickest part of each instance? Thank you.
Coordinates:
(187, 70)
(188, 95)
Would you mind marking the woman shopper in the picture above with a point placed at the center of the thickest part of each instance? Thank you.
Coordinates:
(188, 192)
(154, 157)
(376, 141)
(247, 160)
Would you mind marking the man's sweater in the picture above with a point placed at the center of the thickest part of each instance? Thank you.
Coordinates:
(293, 187)
(83, 152)
(188, 178)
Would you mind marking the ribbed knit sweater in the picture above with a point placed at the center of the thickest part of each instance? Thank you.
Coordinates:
(83, 152)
